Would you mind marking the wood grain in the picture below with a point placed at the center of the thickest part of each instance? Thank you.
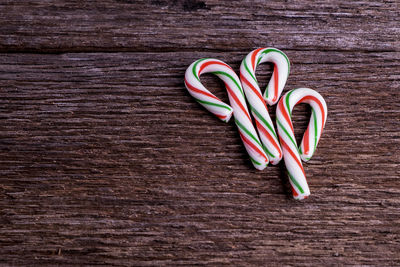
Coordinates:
(126, 25)
(105, 159)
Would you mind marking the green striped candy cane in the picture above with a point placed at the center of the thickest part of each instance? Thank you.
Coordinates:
(293, 154)
(274, 89)
(223, 111)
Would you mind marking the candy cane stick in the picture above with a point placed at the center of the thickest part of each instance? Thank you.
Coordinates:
(274, 89)
(291, 154)
(222, 110)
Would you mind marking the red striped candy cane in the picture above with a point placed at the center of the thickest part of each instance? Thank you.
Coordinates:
(272, 93)
(223, 111)
(291, 154)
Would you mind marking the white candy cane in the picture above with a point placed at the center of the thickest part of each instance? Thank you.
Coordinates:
(291, 154)
(223, 111)
(274, 89)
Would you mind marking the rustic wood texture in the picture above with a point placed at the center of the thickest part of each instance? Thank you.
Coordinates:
(115, 25)
(105, 159)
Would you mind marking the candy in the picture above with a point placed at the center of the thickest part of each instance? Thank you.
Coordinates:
(274, 89)
(291, 154)
(223, 111)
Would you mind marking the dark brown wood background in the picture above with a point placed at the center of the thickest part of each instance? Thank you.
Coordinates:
(105, 159)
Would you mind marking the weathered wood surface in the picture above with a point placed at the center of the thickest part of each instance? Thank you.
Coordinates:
(115, 25)
(106, 160)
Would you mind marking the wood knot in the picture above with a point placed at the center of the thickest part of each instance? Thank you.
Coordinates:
(190, 5)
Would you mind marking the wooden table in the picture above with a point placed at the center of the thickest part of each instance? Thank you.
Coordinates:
(105, 159)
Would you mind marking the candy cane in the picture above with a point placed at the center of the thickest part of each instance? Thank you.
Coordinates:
(291, 154)
(274, 89)
(223, 111)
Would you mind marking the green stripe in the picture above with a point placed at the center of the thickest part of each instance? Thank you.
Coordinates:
(286, 132)
(212, 104)
(295, 183)
(259, 59)
(256, 113)
(301, 152)
(252, 136)
(267, 151)
(247, 69)
(255, 161)
(230, 77)
(287, 102)
(247, 132)
(315, 130)
(280, 52)
(195, 66)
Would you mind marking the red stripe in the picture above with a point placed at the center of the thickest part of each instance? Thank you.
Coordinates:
(284, 113)
(253, 57)
(222, 117)
(240, 104)
(293, 155)
(276, 83)
(212, 63)
(255, 148)
(294, 191)
(265, 132)
(306, 142)
(191, 87)
(253, 89)
(321, 107)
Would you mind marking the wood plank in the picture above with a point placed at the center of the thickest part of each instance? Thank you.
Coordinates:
(189, 25)
(106, 159)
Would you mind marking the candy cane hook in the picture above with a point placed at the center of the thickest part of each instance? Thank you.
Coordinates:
(274, 89)
(223, 111)
(291, 154)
